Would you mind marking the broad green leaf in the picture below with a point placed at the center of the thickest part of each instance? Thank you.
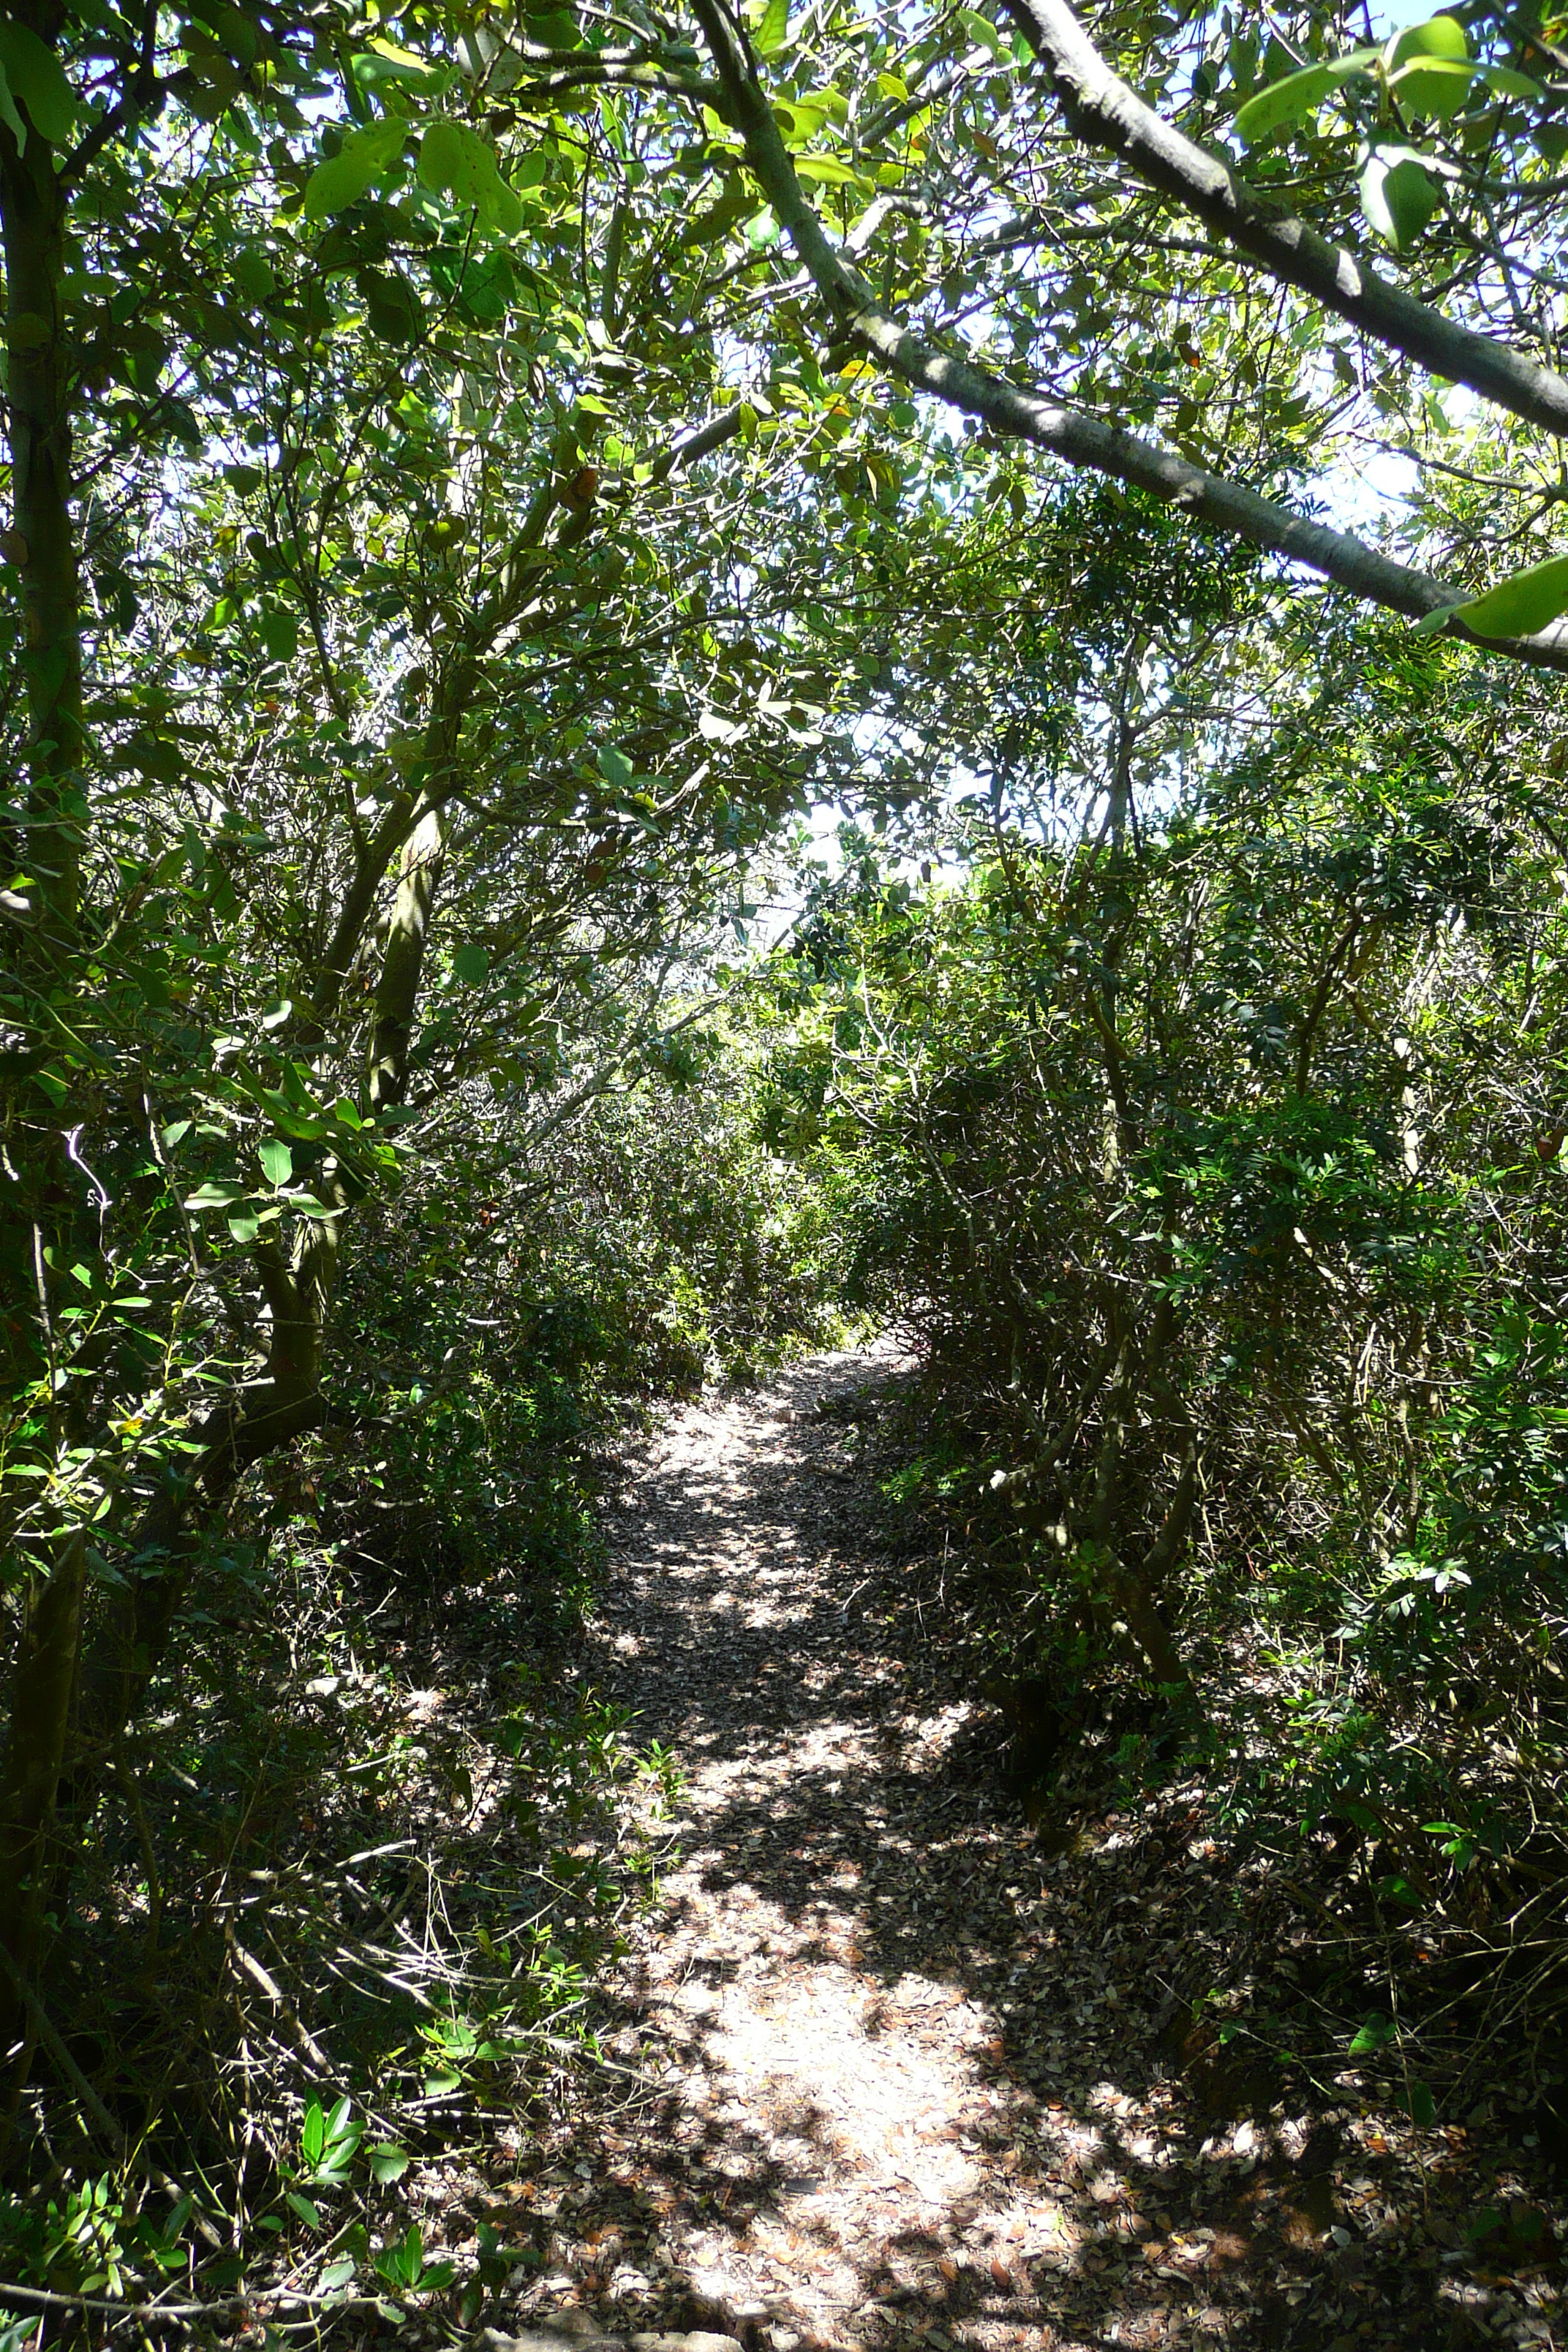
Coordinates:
(310, 2214)
(1439, 37)
(772, 32)
(980, 29)
(36, 78)
(799, 123)
(336, 2275)
(1375, 2034)
(1430, 69)
(471, 963)
(556, 28)
(13, 124)
(1423, 2107)
(383, 61)
(279, 634)
(1434, 88)
(1508, 83)
(615, 767)
(392, 306)
(276, 1161)
(387, 2161)
(457, 161)
(313, 2133)
(339, 2126)
(1517, 606)
(343, 179)
(402, 2259)
(1286, 101)
(215, 1195)
(244, 1224)
(825, 169)
(1398, 197)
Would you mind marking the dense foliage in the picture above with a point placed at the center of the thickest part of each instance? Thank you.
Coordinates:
(1202, 1121)
(474, 479)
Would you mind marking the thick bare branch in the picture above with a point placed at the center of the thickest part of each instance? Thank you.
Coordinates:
(1080, 439)
(1102, 111)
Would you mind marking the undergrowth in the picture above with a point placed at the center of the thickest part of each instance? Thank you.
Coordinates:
(328, 1926)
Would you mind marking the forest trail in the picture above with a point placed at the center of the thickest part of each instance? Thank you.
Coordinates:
(894, 2072)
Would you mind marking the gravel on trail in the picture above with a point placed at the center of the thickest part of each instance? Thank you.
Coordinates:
(894, 2072)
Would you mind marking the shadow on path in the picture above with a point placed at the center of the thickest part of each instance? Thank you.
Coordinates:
(902, 2078)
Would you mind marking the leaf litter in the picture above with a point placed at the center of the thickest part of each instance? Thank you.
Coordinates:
(887, 2068)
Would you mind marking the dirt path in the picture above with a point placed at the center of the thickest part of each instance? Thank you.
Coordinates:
(899, 2077)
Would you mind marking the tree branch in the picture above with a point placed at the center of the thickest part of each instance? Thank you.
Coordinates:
(1080, 440)
(1102, 111)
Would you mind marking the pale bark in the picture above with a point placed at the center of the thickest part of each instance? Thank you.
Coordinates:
(1079, 439)
(1102, 111)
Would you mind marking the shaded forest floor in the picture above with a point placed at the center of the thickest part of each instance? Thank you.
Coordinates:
(895, 2073)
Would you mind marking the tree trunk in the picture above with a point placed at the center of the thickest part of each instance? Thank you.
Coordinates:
(42, 541)
(129, 1645)
(43, 1680)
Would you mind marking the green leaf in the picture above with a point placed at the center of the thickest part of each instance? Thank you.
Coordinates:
(308, 2213)
(1423, 2107)
(387, 2161)
(1435, 88)
(336, 2275)
(616, 768)
(1517, 607)
(364, 156)
(1439, 37)
(383, 62)
(401, 2261)
(392, 306)
(244, 1224)
(36, 78)
(1375, 2034)
(772, 33)
(457, 160)
(13, 124)
(1286, 101)
(1510, 84)
(313, 2134)
(1397, 196)
(276, 1161)
(471, 963)
(214, 1194)
(827, 169)
(279, 634)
